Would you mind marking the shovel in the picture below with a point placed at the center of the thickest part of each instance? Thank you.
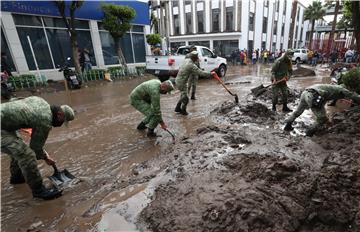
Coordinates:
(172, 135)
(257, 91)
(60, 177)
(222, 83)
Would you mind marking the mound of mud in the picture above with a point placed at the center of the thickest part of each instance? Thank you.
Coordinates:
(260, 179)
(244, 112)
(303, 72)
(293, 95)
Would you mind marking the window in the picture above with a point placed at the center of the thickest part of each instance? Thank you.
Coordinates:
(27, 20)
(296, 51)
(40, 47)
(206, 52)
(139, 47)
(282, 29)
(263, 45)
(200, 20)
(175, 3)
(275, 27)
(200, 43)
(175, 45)
(239, 16)
(5, 48)
(273, 47)
(229, 19)
(265, 22)
(188, 24)
(215, 20)
(251, 21)
(109, 50)
(285, 5)
(298, 14)
(136, 28)
(176, 25)
(225, 47)
(277, 5)
(250, 45)
(266, 3)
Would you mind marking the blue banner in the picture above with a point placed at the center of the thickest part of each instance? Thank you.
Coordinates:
(89, 9)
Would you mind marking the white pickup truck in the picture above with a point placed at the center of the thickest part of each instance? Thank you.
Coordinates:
(166, 66)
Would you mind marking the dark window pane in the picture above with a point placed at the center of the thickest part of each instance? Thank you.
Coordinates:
(39, 45)
(229, 19)
(200, 43)
(224, 48)
(263, 45)
(215, 20)
(101, 26)
(188, 17)
(125, 43)
(175, 45)
(176, 25)
(175, 3)
(59, 41)
(84, 41)
(282, 29)
(54, 22)
(136, 28)
(108, 48)
(81, 24)
(275, 27)
(27, 20)
(5, 48)
(251, 21)
(250, 47)
(200, 19)
(264, 25)
(139, 47)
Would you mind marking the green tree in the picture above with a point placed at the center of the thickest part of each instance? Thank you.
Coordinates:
(314, 12)
(153, 39)
(63, 7)
(337, 5)
(154, 23)
(117, 20)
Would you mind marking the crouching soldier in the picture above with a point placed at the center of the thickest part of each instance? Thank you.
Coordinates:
(146, 99)
(315, 98)
(35, 113)
(189, 67)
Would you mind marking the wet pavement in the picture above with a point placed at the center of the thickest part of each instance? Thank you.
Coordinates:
(104, 150)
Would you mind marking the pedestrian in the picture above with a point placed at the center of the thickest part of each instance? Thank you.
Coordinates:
(146, 99)
(349, 55)
(315, 58)
(242, 57)
(281, 72)
(32, 112)
(188, 68)
(266, 56)
(257, 55)
(193, 79)
(85, 61)
(4, 65)
(315, 98)
(254, 57)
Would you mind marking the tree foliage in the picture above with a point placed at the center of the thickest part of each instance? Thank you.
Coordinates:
(352, 79)
(314, 12)
(117, 19)
(346, 19)
(153, 39)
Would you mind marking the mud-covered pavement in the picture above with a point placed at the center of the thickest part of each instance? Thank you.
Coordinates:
(230, 168)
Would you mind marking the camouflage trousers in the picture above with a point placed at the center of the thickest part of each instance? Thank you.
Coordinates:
(279, 89)
(145, 108)
(184, 99)
(193, 79)
(23, 159)
(306, 100)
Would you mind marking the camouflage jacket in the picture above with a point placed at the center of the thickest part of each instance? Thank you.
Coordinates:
(335, 92)
(281, 68)
(31, 112)
(185, 70)
(149, 91)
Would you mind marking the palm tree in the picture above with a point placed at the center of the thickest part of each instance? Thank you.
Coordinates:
(330, 4)
(314, 12)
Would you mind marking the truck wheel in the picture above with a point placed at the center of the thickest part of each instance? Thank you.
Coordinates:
(222, 70)
(298, 60)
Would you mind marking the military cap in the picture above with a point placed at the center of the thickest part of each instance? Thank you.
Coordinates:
(194, 54)
(289, 52)
(69, 113)
(169, 85)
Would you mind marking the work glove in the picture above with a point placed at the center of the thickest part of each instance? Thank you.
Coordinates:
(215, 76)
(163, 126)
(288, 127)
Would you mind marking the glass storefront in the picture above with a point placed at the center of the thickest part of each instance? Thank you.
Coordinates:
(5, 49)
(200, 43)
(225, 47)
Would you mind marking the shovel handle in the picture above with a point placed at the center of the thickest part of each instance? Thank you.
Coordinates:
(222, 83)
(56, 170)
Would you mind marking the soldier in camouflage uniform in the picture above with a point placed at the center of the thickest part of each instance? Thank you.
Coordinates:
(188, 68)
(193, 79)
(315, 98)
(35, 113)
(146, 99)
(281, 70)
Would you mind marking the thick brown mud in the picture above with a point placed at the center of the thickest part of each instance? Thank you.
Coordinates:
(250, 176)
(223, 152)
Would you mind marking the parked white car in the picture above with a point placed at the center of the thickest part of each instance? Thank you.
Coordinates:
(166, 66)
(300, 55)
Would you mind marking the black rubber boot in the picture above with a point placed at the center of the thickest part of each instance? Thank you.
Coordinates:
(288, 127)
(193, 97)
(178, 107)
(286, 108)
(141, 126)
(151, 133)
(274, 107)
(46, 194)
(17, 179)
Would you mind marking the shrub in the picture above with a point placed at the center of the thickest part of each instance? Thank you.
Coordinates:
(352, 79)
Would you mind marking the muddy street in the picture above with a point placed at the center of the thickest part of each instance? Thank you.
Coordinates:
(226, 160)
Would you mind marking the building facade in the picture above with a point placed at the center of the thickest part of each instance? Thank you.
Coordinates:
(226, 25)
(39, 23)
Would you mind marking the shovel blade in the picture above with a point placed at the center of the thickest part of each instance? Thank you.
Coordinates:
(259, 92)
(62, 177)
(254, 90)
